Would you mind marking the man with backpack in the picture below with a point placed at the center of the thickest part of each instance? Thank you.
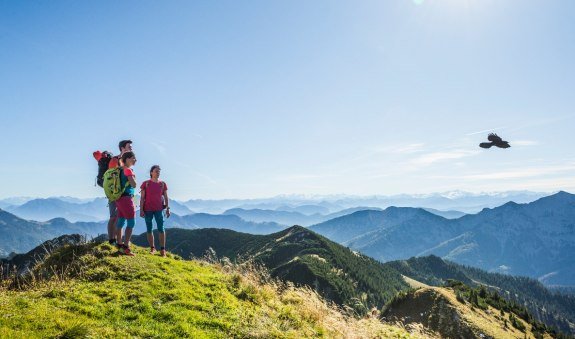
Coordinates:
(107, 161)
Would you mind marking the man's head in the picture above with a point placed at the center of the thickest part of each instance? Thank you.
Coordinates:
(125, 146)
(155, 171)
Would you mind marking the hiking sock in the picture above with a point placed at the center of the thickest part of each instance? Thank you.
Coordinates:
(162, 248)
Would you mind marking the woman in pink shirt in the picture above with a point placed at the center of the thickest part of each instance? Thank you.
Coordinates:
(154, 198)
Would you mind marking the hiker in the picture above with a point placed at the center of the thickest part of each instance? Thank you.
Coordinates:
(153, 200)
(125, 204)
(113, 161)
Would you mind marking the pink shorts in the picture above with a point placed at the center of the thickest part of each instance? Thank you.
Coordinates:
(126, 208)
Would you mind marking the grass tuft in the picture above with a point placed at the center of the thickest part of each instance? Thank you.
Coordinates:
(75, 332)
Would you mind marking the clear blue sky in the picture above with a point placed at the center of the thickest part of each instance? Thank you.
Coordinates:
(258, 98)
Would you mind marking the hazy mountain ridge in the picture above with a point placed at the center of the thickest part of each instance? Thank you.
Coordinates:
(447, 204)
(20, 236)
(73, 209)
(535, 239)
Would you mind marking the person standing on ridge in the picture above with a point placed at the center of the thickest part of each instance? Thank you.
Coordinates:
(125, 205)
(124, 146)
(153, 200)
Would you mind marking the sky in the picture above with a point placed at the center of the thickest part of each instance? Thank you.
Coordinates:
(251, 99)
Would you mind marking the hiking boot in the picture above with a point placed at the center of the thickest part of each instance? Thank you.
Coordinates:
(153, 250)
(163, 253)
(128, 252)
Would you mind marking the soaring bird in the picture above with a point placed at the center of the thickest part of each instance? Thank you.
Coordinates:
(495, 141)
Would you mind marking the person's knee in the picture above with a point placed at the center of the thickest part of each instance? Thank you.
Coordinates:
(121, 222)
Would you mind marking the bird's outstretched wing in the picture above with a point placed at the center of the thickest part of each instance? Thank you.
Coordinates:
(485, 144)
(494, 138)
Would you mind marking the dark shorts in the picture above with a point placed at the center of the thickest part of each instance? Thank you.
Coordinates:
(113, 209)
(159, 221)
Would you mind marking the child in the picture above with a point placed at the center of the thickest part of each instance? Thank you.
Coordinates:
(124, 146)
(154, 198)
(125, 205)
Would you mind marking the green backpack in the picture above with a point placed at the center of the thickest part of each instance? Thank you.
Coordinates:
(114, 186)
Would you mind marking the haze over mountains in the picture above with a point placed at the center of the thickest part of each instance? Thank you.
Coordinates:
(534, 239)
(299, 210)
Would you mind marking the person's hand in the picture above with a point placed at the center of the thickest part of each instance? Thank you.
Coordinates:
(168, 213)
(142, 214)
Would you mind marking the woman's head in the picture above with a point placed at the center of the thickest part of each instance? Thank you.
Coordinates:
(129, 159)
(155, 171)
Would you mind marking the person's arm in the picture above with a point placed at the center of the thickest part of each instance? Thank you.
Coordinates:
(166, 201)
(142, 200)
(131, 177)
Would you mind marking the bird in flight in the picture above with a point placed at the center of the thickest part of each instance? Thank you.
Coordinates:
(495, 140)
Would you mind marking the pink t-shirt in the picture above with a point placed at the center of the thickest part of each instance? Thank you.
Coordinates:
(153, 200)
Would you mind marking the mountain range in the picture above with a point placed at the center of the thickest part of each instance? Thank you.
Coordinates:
(454, 200)
(536, 239)
(448, 204)
(353, 280)
(73, 209)
(20, 235)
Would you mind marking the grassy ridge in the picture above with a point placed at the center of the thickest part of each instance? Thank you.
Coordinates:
(88, 290)
(302, 257)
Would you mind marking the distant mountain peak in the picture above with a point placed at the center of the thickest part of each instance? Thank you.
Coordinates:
(559, 197)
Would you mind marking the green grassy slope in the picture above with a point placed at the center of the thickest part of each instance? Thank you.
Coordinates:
(300, 256)
(89, 291)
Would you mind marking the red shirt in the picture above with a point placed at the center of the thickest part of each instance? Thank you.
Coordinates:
(153, 200)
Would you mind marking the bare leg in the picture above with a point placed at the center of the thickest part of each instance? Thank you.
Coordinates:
(151, 239)
(128, 236)
(119, 235)
(112, 228)
(162, 236)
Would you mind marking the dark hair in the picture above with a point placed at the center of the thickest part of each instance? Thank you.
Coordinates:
(123, 144)
(127, 155)
(153, 168)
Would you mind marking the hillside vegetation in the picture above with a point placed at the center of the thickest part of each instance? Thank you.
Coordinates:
(302, 257)
(450, 315)
(87, 290)
(554, 309)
